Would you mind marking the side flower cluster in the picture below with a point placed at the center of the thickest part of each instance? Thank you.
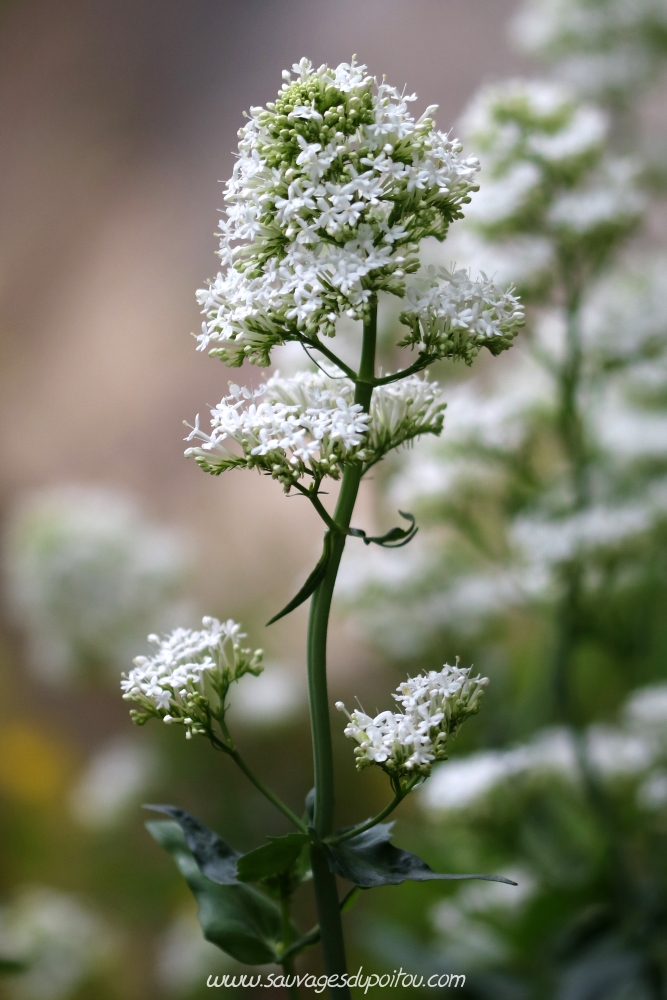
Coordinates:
(407, 743)
(309, 425)
(334, 187)
(187, 679)
(451, 316)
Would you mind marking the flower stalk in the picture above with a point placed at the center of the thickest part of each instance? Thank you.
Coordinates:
(334, 188)
(328, 908)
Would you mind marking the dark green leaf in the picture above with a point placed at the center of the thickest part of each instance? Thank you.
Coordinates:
(311, 583)
(11, 966)
(216, 859)
(369, 860)
(237, 918)
(395, 538)
(274, 858)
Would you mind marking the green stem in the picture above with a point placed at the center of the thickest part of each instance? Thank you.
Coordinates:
(326, 894)
(266, 792)
(288, 958)
(317, 345)
(423, 361)
(355, 831)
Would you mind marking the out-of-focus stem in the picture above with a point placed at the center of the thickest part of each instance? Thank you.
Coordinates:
(571, 429)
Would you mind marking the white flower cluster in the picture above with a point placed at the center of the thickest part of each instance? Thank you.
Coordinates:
(451, 316)
(187, 679)
(309, 425)
(87, 576)
(334, 186)
(604, 48)
(549, 174)
(407, 743)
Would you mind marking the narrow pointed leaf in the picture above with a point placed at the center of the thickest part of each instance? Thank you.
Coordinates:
(274, 858)
(237, 918)
(310, 585)
(370, 860)
(216, 859)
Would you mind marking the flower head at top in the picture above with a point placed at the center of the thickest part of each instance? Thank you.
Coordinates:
(309, 425)
(334, 187)
(406, 744)
(188, 677)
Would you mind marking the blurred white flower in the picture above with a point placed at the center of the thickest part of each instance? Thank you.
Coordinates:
(87, 575)
(465, 938)
(652, 793)
(552, 540)
(185, 958)
(277, 696)
(607, 200)
(486, 897)
(114, 780)
(616, 753)
(523, 260)
(466, 941)
(60, 939)
(626, 751)
(505, 196)
(604, 48)
(465, 780)
(549, 176)
(646, 709)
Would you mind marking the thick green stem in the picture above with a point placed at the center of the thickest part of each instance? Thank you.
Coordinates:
(326, 893)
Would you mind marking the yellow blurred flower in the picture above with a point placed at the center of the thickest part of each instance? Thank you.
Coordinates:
(33, 766)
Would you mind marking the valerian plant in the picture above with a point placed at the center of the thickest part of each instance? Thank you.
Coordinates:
(334, 188)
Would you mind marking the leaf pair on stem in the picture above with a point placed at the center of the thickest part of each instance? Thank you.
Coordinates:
(249, 924)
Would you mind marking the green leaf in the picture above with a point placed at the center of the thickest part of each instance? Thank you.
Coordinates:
(369, 860)
(395, 538)
(237, 918)
(274, 858)
(11, 966)
(216, 859)
(311, 583)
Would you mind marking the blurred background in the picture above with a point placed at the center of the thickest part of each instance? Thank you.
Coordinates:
(542, 554)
